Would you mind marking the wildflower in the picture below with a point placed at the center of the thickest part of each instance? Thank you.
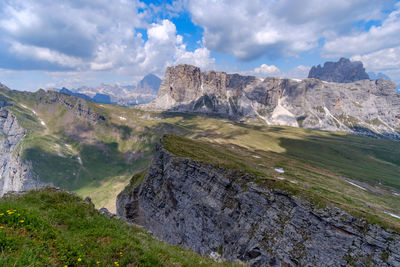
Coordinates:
(1, 227)
(21, 221)
(79, 259)
(120, 253)
(116, 263)
(97, 262)
(1, 214)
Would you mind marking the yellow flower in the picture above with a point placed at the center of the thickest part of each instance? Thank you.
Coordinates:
(21, 221)
(79, 259)
(120, 253)
(1, 227)
(65, 265)
(97, 262)
(1, 214)
(116, 263)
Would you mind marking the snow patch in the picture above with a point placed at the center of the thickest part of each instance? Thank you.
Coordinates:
(42, 123)
(356, 185)
(280, 178)
(79, 160)
(279, 170)
(122, 118)
(28, 108)
(297, 80)
(391, 214)
(257, 157)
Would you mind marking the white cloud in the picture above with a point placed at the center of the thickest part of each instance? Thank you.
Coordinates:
(376, 38)
(267, 69)
(386, 61)
(93, 36)
(200, 58)
(250, 29)
(42, 53)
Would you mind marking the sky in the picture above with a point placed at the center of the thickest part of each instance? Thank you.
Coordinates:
(60, 43)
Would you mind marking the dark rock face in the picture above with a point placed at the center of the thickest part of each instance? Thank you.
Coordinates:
(343, 71)
(363, 107)
(214, 210)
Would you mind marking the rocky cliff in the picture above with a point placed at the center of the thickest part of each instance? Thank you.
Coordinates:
(216, 211)
(343, 71)
(15, 173)
(363, 107)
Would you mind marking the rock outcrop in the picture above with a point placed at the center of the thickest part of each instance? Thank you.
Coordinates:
(343, 71)
(363, 107)
(15, 173)
(80, 107)
(216, 211)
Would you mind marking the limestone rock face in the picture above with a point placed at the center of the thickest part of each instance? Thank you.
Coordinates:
(362, 107)
(15, 173)
(217, 211)
(343, 71)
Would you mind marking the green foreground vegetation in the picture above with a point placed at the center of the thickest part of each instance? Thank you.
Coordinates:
(48, 227)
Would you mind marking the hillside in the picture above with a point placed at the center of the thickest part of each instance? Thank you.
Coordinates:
(94, 149)
(50, 227)
(225, 199)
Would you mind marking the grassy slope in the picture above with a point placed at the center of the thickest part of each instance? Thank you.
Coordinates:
(316, 158)
(55, 228)
(315, 184)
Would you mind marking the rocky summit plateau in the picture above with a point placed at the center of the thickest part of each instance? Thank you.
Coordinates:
(364, 107)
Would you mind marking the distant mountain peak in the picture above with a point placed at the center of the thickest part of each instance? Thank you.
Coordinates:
(149, 84)
(343, 71)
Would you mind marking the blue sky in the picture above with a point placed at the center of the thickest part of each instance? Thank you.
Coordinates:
(50, 43)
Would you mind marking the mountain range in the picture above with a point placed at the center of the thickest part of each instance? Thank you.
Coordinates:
(128, 95)
(366, 107)
(254, 171)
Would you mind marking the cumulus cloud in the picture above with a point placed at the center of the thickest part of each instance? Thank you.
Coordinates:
(90, 36)
(267, 69)
(250, 29)
(376, 38)
(386, 61)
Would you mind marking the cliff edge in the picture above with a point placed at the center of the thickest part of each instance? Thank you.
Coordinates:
(217, 211)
